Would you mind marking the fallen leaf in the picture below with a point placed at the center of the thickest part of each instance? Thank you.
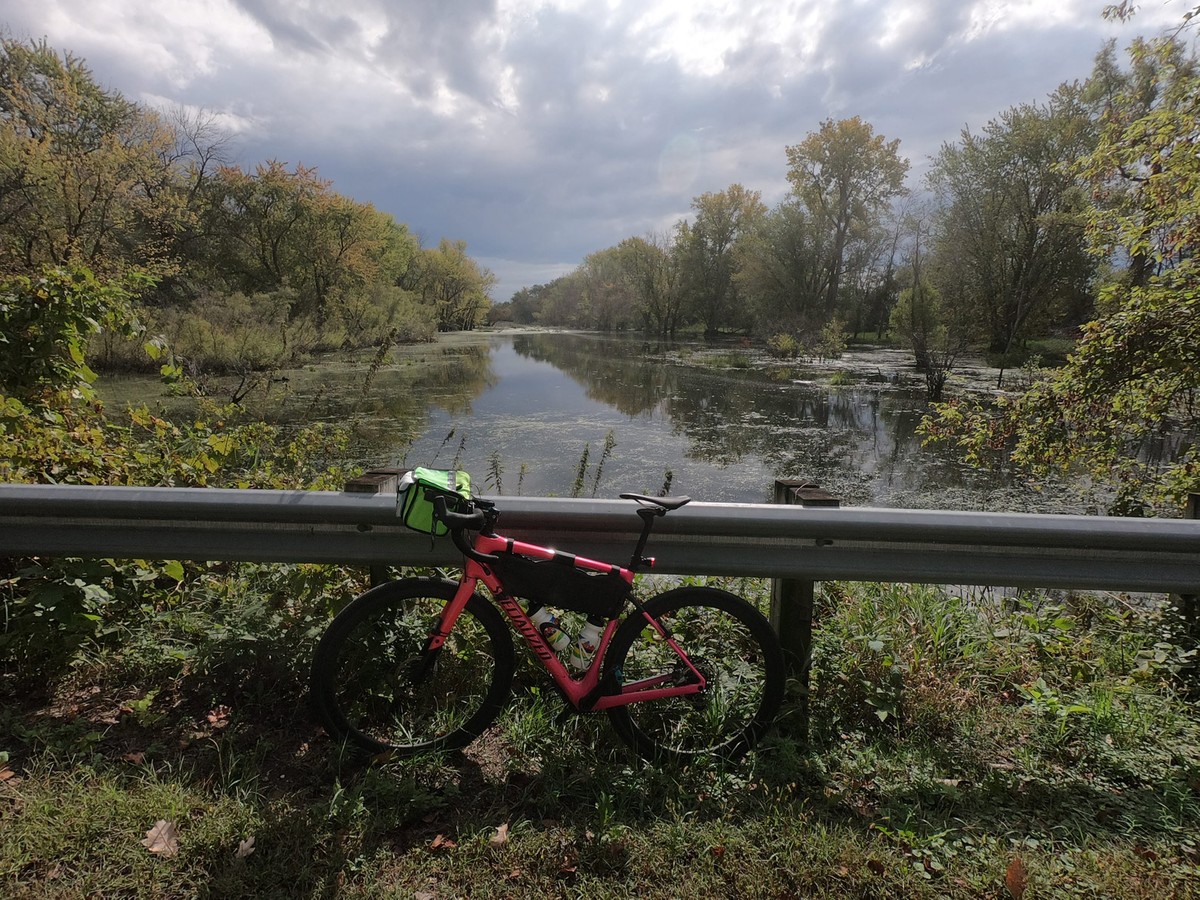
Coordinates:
(245, 848)
(219, 717)
(718, 851)
(134, 757)
(1145, 852)
(424, 895)
(501, 835)
(1016, 879)
(162, 839)
(441, 842)
(6, 773)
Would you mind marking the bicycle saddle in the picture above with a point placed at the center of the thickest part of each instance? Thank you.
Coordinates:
(667, 503)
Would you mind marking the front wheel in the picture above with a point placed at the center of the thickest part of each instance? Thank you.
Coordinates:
(733, 646)
(375, 683)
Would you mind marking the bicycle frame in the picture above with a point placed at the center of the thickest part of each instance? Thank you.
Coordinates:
(584, 692)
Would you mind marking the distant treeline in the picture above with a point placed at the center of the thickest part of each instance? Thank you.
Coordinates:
(990, 251)
(247, 267)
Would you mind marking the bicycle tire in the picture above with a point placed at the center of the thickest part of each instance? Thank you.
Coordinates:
(735, 648)
(362, 683)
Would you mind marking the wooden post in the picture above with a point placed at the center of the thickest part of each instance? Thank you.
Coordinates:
(792, 599)
(1188, 605)
(376, 481)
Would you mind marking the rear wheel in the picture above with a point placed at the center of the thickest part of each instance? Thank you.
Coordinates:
(375, 683)
(733, 646)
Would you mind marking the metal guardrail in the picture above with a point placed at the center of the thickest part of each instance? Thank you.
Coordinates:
(858, 544)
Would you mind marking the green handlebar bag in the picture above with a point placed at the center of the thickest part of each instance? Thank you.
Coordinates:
(414, 503)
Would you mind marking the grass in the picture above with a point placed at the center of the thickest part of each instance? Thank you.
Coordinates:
(731, 359)
(963, 747)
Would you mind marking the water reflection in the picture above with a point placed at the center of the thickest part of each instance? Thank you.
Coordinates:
(524, 407)
(750, 424)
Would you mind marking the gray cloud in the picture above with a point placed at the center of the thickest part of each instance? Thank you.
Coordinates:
(540, 132)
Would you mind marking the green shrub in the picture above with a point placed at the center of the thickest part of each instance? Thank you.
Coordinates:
(45, 325)
(783, 346)
(831, 343)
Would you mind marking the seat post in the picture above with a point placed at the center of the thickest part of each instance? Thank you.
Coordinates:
(647, 515)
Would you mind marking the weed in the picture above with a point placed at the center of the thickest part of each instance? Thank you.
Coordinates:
(840, 378)
(495, 472)
(581, 471)
(951, 736)
(733, 359)
(610, 443)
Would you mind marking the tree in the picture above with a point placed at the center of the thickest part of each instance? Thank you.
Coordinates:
(564, 301)
(276, 228)
(1010, 236)
(708, 249)
(651, 270)
(611, 296)
(938, 332)
(454, 285)
(85, 175)
(845, 176)
(783, 273)
(1124, 408)
(526, 304)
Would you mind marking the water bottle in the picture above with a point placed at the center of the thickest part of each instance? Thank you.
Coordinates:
(547, 624)
(585, 645)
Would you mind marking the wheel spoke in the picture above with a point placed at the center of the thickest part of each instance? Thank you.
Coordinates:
(375, 684)
(731, 644)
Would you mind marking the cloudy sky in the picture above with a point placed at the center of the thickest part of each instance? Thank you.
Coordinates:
(539, 131)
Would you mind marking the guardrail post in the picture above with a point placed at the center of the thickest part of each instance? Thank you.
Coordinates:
(375, 481)
(1187, 606)
(792, 599)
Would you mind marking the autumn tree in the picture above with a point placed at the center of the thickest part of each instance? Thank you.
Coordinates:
(1010, 235)
(85, 175)
(938, 330)
(525, 307)
(651, 270)
(564, 301)
(845, 177)
(611, 296)
(277, 227)
(783, 273)
(457, 287)
(1124, 408)
(708, 252)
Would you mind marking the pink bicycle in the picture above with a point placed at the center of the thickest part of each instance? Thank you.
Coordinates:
(426, 664)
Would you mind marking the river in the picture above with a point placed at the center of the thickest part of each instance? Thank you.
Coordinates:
(717, 423)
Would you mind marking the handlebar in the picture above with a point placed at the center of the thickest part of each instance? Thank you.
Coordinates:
(458, 523)
(455, 521)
